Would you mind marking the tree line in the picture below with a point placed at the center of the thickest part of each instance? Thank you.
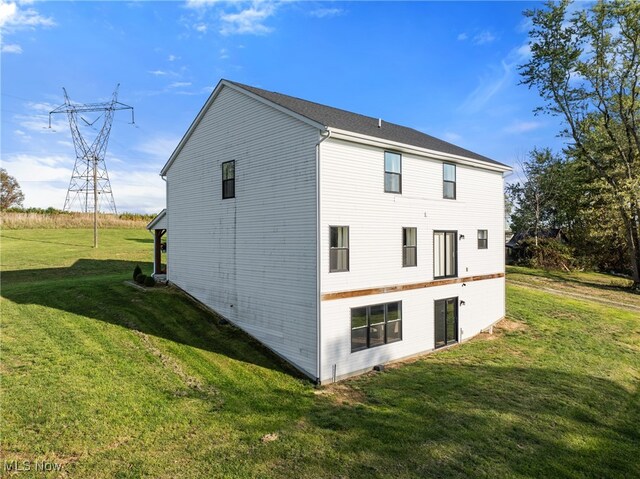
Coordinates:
(585, 65)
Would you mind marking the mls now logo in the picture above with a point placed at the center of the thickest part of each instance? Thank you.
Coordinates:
(38, 466)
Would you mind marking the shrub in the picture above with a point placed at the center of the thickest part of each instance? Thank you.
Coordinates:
(149, 281)
(136, 272)
(547, 254)
(141, 278)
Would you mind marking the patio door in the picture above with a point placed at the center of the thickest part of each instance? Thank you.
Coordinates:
(446, 321)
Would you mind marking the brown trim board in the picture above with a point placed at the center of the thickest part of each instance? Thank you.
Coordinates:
(407, 287)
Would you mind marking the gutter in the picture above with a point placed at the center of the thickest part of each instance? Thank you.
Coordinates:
(318, 257)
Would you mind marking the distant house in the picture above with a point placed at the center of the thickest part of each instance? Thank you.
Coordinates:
(339, 241)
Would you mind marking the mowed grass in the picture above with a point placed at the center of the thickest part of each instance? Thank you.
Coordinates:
(109, 381)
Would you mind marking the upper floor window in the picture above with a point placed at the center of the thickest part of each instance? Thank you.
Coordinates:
(338, 248)
(483, 239)
(392, 172)
(445, 254)
(449, 181)
(376, 325)
(409, 246)
(228, 179)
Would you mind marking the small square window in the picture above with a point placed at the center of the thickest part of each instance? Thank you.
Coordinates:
(483, 239)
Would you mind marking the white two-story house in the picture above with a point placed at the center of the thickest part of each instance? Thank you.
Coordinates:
(339, 241)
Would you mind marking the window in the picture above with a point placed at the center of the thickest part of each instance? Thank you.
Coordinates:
(445, 252)
(392, 172)
(409, 246)
(446, 321)
(228, 179)
(339, 249)
(376, 325)
(449, 181)
(483, 239)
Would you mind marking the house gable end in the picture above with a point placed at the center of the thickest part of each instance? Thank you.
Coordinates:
(209, 103)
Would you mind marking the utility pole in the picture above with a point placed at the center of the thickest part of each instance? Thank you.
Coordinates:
(89, 176)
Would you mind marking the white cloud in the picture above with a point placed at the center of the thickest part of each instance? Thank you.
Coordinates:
(13, 18)
(451, 136)
(158, 148)
(462, 36)
(249, 21)
(180, 84)
(11, 48)
(488, 87)
(158, 72)
(495, 80)
(224, 54)
(200, 27)
(326, 12)
(523, 126)
(173, 58)
(483, 37)
(44, 181)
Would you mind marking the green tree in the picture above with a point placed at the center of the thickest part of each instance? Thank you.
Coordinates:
(586, 65)
(536, 199)
(10, 192)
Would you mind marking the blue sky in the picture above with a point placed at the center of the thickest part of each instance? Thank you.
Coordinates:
(447, 68)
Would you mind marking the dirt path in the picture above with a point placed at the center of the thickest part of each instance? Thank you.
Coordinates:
(595, 299)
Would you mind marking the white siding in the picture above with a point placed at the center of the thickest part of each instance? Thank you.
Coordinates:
(251, 258)
(352, 194)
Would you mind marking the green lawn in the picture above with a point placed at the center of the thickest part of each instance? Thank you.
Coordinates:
(112, 382)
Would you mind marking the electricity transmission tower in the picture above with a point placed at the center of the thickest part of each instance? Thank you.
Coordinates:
(90, 188)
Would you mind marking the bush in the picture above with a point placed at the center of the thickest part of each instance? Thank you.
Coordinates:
(149, 281)
(547, 254)
(136, 272)
(140, 279)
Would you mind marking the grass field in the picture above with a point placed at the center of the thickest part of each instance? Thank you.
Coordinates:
(111, 382)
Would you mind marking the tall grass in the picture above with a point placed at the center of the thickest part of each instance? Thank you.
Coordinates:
(12, 220)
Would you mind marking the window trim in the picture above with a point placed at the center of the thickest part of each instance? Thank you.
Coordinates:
(485, 240)
(368, 325)
(399, 192)
(405, 247)
(340, 248)
(454, 182)
(232, 180)
(455, 237)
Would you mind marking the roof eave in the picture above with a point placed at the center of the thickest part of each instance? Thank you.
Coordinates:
(157, 219)
(337, 133)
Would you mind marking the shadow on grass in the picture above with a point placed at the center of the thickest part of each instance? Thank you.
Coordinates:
(433, 419)
(141, 240)
(45, 241)
(96, 289)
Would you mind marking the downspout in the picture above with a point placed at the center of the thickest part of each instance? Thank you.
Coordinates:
(166, 205)
(318, 257)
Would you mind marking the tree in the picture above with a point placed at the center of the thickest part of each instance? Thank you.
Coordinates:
(10, 192)
(536, 199)
(586, 65)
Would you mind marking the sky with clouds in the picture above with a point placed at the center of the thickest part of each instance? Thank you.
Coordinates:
(449, 69)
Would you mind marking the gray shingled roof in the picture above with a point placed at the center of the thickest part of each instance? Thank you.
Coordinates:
(365, 125)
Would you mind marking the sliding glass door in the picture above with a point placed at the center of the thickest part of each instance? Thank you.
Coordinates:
(446, 321)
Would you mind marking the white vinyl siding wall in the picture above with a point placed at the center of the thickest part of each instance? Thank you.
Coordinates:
(352, 194)
(251, 258)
